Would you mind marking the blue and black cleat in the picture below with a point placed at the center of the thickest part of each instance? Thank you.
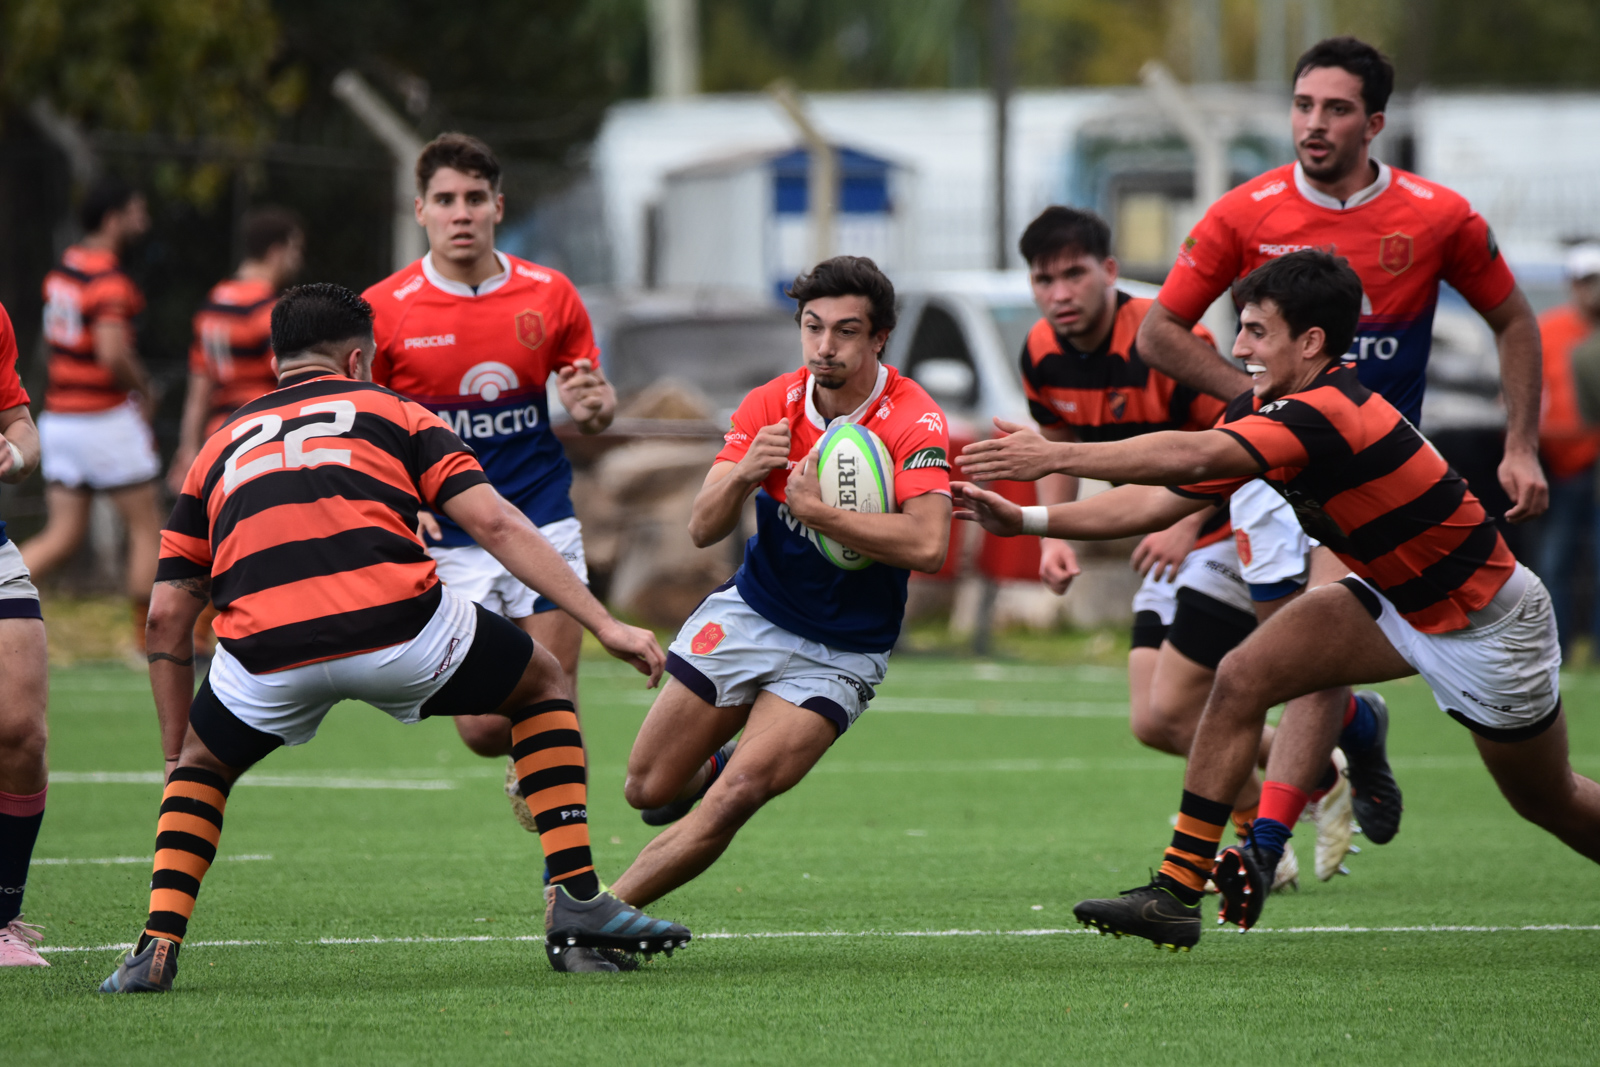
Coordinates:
(604, 922)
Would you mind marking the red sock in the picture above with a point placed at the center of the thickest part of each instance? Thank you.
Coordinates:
(1282, 802)
(1349, 712)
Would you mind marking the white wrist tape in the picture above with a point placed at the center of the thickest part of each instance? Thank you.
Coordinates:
(16, 457)
(1036, 520)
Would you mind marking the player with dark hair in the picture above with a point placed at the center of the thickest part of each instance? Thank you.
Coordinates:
(475, 335)
(299, 519)
(792, 648)
(95, 428)
(23, 774)
(1403, 236)
(1435, 591)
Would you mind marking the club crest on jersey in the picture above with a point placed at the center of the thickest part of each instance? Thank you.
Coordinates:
(1395, 252)
(1118, 403)
(489, 380)
(706, 641)
(530, 327)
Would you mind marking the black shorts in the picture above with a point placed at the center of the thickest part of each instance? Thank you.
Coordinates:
(1205, 629)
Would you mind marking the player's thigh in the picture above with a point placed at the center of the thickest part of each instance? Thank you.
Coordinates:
(558, 632)
(1142, 661)
(1323, 638)
(1326, 568)
(780, 744)
(1177, 698)
(22, 705)
(679, 734)
(1535, 775)
(67, 512)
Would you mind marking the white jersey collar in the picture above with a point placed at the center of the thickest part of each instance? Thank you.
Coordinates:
(1321, 199)
(855, 416)
(485, 287)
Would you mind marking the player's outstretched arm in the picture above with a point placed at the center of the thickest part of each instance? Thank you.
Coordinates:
(17, 429)
(1170, 345)
(1516, 335)
(728, 483)
(169, 646)
(916, 537)
(113, 350)
(1121, 512)
(507, 535)
(1169, 457)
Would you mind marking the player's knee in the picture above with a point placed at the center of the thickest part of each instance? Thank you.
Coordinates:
(485, 735)
(648, 787)
(1154, 730)
(1238, 689)
(23, 739)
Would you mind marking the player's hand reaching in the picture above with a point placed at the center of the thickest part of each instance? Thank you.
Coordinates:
(586, 394)
(428, 527)
(1058, 565)
(1019, 454)
(635, 646)
(1523, 480)
(990, 510)
(767, 453)
(1162, 552)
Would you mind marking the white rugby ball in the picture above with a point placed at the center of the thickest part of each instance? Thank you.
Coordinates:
(857, 474)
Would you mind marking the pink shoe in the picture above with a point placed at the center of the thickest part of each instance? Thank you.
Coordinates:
(17, 941)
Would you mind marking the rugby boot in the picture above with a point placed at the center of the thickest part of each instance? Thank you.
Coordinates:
(1288, 873)
(519, 806)
(149, 970)
(19, 945)
(1374, 794)
(578, 959)
(606, 922)
(1244, 881)
(677, 809)
(1148, 911)
(1332, 815)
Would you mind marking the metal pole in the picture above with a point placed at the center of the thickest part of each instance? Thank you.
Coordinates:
(674, 49)
(1205, 41)
(1002, 51)
(822, 173)
(408, 242)
(1272, 28)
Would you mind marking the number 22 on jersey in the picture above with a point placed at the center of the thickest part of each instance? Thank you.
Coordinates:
(295, 452)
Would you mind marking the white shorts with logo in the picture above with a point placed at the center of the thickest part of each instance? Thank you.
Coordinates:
(1214, 571)
(728, 653)
(1159, 595)
(1271, 546)
(470, 571)
(98, 450)
(16, 584)
(398, 680)
(1502, 679)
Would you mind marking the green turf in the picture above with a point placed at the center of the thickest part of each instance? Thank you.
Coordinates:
(916, 822)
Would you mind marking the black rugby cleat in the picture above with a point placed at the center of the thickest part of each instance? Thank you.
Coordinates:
(1148, 911)
(603, 921)
(1244, 885)
(1374, 794)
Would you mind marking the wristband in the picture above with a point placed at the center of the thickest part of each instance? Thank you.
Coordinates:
(16, 455)
(1036, 520)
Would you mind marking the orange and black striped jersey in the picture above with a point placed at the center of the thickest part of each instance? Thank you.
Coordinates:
(303, 508)
(1367, 484)
(233, 346)
(1109, 394)
(86, 287)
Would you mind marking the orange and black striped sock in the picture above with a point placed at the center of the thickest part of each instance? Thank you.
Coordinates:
(1193, 853)
(186, 845)
(1243, 819)
(548, 749)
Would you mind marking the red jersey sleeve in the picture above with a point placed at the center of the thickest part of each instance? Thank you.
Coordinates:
(755, 411)
(112, 297)
(920, 445)
(1474, 266)
(576, 339)
(11, 392)
(186, 538)
(1208, 262)
(384, 318)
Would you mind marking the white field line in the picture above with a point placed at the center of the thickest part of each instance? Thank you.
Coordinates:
(117, 860)
(787, 935)
(283, 781)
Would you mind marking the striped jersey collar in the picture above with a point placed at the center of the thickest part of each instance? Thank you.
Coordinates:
(483, 288)
(855, 416)
(1321, 199)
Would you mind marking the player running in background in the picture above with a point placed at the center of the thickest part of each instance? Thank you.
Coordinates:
(299, 518)
(474, 335)
(1403, 235)
(95, 430)
(792, 648)
(1434, 592)
(23, 775)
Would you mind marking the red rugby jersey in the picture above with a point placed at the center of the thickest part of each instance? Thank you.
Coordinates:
(1402, 240)
(1365, 483)
(85, 288)
(303, 511)
(1567, 446)
(11, 392)
(233, 346)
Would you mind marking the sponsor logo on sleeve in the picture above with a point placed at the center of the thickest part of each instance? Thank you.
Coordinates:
(794, 394)
(529, 272)
(1270, 189)
(409, 287)
(933, 420)
(1187, 247)
(1416, 189)
(927, 457)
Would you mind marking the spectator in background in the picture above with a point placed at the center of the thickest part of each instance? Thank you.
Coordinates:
(1569, 439)
(95, 428)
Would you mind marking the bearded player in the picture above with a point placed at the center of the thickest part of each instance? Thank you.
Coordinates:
(474, 335)
(1403, 235)
(792, 648)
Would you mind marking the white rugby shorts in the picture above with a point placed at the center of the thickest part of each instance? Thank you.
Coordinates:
(18, 597)
(1501, 679)
(1214, 571)
(1271, 547)
(728, 652)
(470, 571)
(291, 704)
(98, 450)
(1159, 595)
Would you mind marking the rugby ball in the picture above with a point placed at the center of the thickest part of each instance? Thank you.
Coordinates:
(857, 474)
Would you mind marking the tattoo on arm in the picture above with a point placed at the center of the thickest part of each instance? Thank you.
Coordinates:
(199, 588)
(156, 656)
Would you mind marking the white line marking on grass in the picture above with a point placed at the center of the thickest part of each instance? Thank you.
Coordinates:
(111, 860)
(283, 781)
(787, 935)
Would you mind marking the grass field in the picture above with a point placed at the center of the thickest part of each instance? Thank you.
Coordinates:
(911, 902)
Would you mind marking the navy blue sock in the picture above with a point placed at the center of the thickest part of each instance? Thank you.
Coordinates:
(1362, 732)
(18, 832)
(1269, 836)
